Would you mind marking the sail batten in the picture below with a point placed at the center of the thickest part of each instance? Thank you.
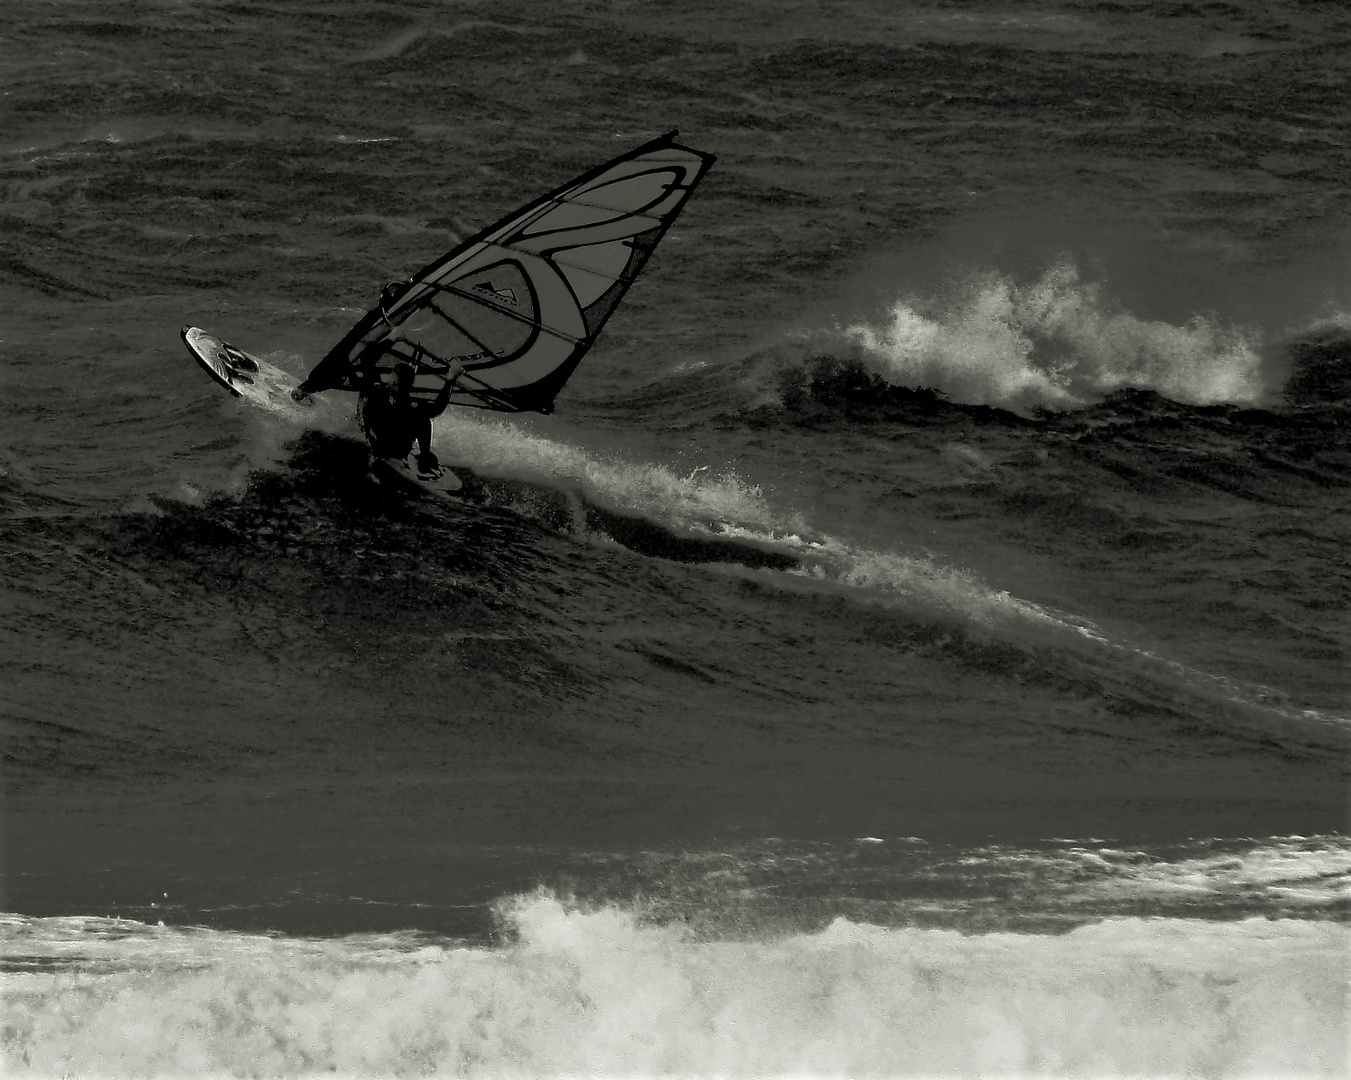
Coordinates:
(520, 303)
(615, 210)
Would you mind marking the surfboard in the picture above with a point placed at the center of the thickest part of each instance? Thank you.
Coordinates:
(403, 472)
(243, 374)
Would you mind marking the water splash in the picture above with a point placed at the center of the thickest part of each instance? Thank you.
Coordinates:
(1057, 343)
(664, 492)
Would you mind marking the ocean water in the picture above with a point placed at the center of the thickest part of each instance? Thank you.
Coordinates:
(916, 646)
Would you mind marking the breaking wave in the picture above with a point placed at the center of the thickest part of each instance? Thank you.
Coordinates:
(601, 992)
(1057, 343)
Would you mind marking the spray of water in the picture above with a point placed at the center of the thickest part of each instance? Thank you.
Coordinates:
(1057, 343)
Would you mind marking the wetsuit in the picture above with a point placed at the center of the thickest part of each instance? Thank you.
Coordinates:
(395, 421)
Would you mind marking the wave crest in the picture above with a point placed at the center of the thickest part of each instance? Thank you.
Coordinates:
(1057, 343)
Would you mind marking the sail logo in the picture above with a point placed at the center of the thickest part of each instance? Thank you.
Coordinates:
(502, 296)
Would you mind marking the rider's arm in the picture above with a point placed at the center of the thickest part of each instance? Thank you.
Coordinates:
(453, 372)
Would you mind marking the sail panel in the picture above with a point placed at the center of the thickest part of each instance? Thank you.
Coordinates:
(519, 304)
(632, 197)
(586, 285)
(608, 260)
(573, 216)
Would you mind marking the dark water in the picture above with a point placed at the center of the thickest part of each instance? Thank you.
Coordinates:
(917, 645)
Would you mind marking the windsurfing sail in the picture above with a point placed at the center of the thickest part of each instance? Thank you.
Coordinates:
(519, 304)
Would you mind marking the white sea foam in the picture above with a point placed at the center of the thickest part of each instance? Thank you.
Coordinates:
(1294, 871)
(927, 580)
(660, 491)
(601, 993)
(1289, 873)
(1056, 343)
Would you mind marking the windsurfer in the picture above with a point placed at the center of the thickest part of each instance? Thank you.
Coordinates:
(395, 420)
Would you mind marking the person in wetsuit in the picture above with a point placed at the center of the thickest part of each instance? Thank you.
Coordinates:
(395, 420)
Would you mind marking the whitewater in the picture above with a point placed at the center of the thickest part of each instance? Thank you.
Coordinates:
(573, 992)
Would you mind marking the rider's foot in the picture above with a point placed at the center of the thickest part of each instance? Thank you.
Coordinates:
(428, 464)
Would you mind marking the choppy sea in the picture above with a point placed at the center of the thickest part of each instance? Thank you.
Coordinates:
(916, 646)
